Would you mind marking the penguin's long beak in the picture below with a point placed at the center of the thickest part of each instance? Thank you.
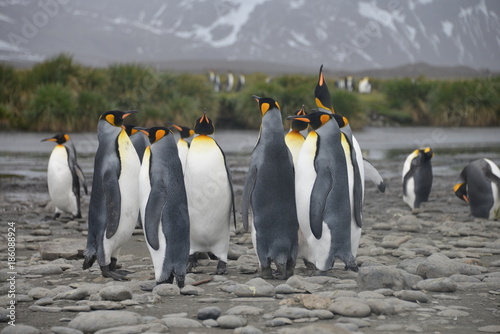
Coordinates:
(257, 98)
(299, 118)
(129, 112)
(466, 199)
(49, 139)
(175, 126)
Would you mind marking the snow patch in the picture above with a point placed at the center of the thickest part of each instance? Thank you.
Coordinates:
(447, 28)
(6, 18)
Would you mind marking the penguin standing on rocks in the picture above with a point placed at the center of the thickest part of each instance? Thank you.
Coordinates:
(479, 186)
(138, 139)
(182, 143)
(294, 139)
(323, 202)
(114, 201)
(164, 207)
(210, 196)
(269, 194)
(417, 177)
(64, 177)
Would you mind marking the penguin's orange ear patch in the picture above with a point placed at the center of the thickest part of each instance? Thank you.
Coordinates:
(456, 187)
(324, 118)
(264, 107)
(111, 119)
(160, 134)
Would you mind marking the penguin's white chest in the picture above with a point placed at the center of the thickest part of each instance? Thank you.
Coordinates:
(60, 181)
(209, 196)
(183, 148)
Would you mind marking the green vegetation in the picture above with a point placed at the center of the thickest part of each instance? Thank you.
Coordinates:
(61, 95)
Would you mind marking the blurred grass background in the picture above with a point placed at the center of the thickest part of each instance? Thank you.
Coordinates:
(60, 95)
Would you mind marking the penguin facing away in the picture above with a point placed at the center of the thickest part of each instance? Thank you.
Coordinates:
(269, 194)
(323, 202)
(210, 196)
(417, 177)
(138, 139)
(294, 139)
(114, 201)
(64, 177)
(164, 208)
(479, 186)
(182, 143)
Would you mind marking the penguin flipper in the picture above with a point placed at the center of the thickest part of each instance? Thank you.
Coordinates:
(230, 180)
(153, 213)
(372, 173)
(247, 194)
(321, 189)
(82, 179)
(112, 196)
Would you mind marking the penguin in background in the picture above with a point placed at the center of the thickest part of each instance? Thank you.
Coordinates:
(210, 196)
(479, 186)
(229, 82)
(114, 201)
(294, 139)
(417, 177)
(138, 139)
(269, 194)
(352, 148)
(182, 143)
(324, 200)
(164, 208)
(64, 177)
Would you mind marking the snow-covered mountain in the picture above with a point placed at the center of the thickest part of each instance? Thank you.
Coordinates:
(342, 34)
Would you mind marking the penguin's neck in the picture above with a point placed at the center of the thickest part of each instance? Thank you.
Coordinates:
(272, 126)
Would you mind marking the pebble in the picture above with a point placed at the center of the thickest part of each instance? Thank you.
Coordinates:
(115, 293)
(166, 290)
(256, 287)
(64, 330)
(149, 328)
(439, 265)
(244, 310)
(231, 321)
(277, 322)
(190, 290)
(74, 294)
(93, 321)
(350, 308)
(20, 329)
(412, 296)
(376, 277)
(176, 322)
(437, 285)
(211, 312)
(489, 329)
(247, 330)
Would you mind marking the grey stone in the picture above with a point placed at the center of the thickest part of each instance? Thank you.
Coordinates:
(437, 285)
(76, 308)
(115, 293)
(62, 248)
(210, 323)
(394, 241)
(489, 329)
(256, 287)
(247, 330)
(176, 322)
(301, 284)
(42, 269)
(155, 327)
(190, 290)
(44, 301)
(166, 290)
(39, 293)
(285, 289)
(277, 322)
(350, 308)
(105, 305)
(410, 265)
(64, 330)
(412, 296)
(371, 278)
(390, 306)
(324, 328)
(357, 321)
(244, 310)
(236, 251)
(48, 309)
(389, 328)
(20, 329)
(74, 294)
(210, 312)
(439, 265)
(293, 313)
(231, 321)
(94, 321)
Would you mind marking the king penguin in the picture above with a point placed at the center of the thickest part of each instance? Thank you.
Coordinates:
(64, 177)
(114, 201)
(210, 196)
(354, 159)
(294, 139)
(479, 186)
(182, 143)
(323, 202)
(269, 194)
(164, 207)
(417, 177)
(139, 140)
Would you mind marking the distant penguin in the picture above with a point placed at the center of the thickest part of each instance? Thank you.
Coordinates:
(269, 194)
(139, 140)
(114, 201)
(229, 82)
(417, 177)
(217, 83)
(241, 83)
(164, 207)
(364, 86)
(294, 139)
(355, 160)
(323, 201)
(182, 143)
(479, 186)
(210, 196)
(64, 177)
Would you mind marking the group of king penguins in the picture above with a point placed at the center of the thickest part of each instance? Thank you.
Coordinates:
(302, 198)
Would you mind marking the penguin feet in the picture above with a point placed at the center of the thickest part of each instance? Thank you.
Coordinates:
(106, 272)
(309, 265)
(57, 215)
(267, 273)
(89, 261)
(192, 262)
(221, 268)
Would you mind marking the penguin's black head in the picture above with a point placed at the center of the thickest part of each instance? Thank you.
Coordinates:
(341, 120)
(184, 131)
(427, 153)
(460, 190)
(315, 119)
(155, 133)
(130, 129)
(60, 138)
(297, 124)
(116, 117)
(266, 104)
(204, 125)
(322, 94)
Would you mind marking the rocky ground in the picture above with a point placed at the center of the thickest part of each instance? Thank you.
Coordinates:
(433, 270)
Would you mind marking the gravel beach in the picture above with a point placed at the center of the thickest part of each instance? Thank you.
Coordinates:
(431, 270)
